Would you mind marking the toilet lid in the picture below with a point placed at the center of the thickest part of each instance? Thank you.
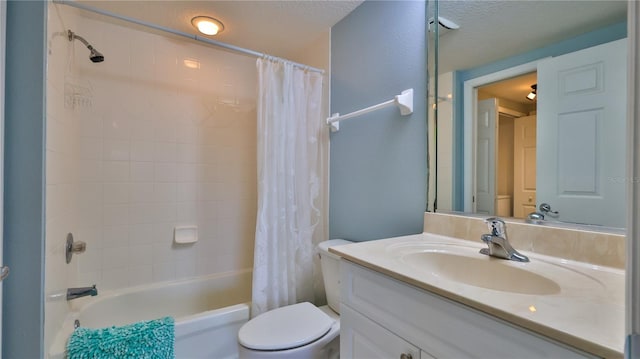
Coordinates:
(285, 328)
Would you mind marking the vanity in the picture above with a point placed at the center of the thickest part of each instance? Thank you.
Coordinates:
(434, 296)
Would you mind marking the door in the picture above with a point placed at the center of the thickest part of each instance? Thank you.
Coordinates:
(485, 162)
(582, 100)
(524, 166)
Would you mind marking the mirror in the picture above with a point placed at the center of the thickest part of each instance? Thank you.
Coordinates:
(570, 166)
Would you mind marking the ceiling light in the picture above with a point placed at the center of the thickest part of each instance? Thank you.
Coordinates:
(207, 25)
(191, 63)
(532, 95)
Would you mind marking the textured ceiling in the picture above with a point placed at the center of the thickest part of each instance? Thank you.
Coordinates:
(280, 28)
(493, 30)
(514, 89)
(489, 30)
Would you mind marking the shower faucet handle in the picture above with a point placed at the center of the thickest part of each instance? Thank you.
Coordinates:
(73, 247)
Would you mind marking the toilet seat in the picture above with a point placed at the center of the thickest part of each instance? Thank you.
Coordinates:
(285, 328)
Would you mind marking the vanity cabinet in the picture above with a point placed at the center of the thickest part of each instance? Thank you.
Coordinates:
(364, 338)
(382, 317)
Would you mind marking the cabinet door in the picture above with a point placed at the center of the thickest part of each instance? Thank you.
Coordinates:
(361, 338)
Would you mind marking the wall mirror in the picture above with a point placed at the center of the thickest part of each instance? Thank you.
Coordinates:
(500, 151)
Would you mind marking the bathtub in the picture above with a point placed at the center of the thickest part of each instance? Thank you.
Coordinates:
(208, 313)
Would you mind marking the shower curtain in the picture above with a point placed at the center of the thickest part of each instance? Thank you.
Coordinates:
(291, 175)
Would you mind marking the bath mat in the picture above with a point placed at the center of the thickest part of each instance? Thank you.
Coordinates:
(153, 339)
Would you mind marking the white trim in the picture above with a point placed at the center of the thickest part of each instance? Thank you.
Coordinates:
(633, 187)
(3, 31)
(470, 104)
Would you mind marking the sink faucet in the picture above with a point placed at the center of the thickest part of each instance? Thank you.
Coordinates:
(73, 293)
(498, 243)
(535, 218)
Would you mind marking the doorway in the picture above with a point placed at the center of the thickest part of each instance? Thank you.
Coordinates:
(470, 107)
(505, 147)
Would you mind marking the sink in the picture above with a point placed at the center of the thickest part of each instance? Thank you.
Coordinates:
(556, 297)
(452, 265)
(481, 271)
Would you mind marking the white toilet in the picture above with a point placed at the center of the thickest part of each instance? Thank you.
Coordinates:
(300, 331)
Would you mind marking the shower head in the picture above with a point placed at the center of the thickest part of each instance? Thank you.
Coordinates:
(95, 55)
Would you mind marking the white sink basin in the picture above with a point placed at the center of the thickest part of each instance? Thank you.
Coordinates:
(464, 265)
(481, 271)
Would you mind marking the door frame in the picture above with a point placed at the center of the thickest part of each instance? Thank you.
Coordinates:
(3, 31)
(632, 349)
(470, 103)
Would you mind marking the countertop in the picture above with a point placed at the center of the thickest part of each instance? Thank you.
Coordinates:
(587, 313)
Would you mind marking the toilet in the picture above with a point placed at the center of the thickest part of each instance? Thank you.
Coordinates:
(300, 331)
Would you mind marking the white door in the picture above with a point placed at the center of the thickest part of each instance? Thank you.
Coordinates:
(524, 166)
(582, 107)
(485, 162)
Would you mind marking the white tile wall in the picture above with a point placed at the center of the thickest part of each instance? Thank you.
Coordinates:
(163, 151)
(155, 146)
(62, 169)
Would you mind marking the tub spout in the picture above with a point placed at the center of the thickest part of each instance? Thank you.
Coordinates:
(73, 293)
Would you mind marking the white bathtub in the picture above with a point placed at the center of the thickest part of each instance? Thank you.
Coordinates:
(208, 313)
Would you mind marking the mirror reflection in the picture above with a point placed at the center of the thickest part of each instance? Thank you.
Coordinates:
(505, 163)
(532, 111)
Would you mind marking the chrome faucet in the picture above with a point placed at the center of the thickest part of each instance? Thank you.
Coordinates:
(73, 293)
(497, 242)
(538, 217)
(535, 218)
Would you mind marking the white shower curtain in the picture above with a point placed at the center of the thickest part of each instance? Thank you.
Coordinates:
(291, 177)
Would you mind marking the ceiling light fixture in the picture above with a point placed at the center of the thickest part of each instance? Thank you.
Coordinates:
(207, 25)
(191, 63)
(532, 95)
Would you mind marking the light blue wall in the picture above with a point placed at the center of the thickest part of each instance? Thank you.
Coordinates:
(378, 161)
(597, 37)
(22, 300)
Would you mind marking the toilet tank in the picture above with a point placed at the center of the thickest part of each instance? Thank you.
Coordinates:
(330, 264)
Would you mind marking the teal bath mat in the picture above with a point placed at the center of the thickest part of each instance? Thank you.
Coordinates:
(153, 339)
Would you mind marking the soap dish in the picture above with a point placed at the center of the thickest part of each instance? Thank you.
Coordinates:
(185, 234)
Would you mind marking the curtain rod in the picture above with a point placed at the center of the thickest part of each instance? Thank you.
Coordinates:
(205, 40)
